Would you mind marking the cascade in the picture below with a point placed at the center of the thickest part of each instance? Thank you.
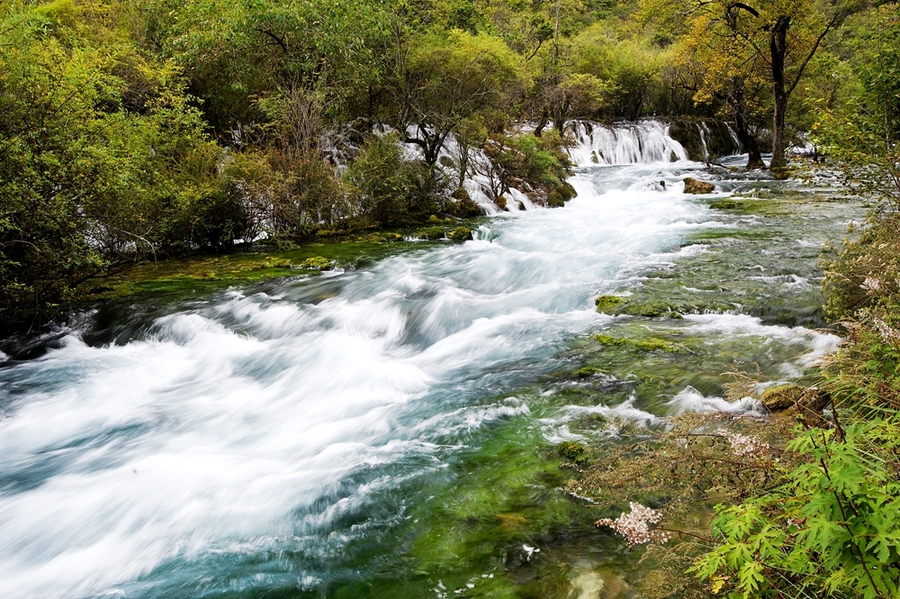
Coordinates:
(631, 143)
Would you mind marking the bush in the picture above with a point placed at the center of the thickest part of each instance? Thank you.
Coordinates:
(390, 190)
(538, 162)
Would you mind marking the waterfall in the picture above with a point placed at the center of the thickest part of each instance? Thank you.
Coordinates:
(631, 143)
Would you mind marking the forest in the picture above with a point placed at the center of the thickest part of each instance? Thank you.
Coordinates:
(134, 131)
(144, 130)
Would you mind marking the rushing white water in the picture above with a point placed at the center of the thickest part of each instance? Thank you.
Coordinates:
(643, 142)
(262, 423)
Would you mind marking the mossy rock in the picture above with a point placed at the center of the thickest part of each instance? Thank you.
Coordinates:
(587, 372)
(464, 206)
(652, 310)
(696, 186)
(317, 263)
(555, 200)
(649, 344)
(501, 202)
(431, 233)
(460, 234)
(572, 450)
(592, 421)
(567, 191)
(607, 302)
(461, 193)
(782, 397)
(724, 205)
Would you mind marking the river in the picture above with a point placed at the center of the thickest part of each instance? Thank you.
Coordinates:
(390, 430)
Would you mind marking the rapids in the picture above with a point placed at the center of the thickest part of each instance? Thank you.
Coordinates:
(301, 437)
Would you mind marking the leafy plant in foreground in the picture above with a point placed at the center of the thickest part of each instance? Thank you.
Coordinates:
(830, 527)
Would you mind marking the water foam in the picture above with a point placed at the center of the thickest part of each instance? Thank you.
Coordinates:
(266, 422)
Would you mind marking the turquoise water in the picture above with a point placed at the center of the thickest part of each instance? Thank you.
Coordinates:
(391, 430)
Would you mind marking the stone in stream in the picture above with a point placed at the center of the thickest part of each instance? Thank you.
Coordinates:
(782, 397)
(806, 402)
(696, 186)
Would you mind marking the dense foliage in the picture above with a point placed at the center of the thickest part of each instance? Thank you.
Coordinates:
(134, 130)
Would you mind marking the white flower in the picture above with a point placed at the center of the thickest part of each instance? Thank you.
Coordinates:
(635, 527)
(744, 446)
(871, 284)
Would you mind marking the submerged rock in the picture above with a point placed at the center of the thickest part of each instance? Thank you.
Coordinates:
(696, 186)
(724, 205)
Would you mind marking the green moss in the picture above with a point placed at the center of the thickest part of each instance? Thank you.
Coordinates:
(648, 344)
(431, 233)
(782, 397)
(651, 310)
(656, 344)
(188, 276)
(573, 451)
(587, 372)
(460, 234)
(555, 200)
(607, 302)
(609, 340)
(317, 263)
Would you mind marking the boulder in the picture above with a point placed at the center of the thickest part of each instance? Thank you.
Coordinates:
(460, 234)
(806, 403)
(782, 397)
(696, 186)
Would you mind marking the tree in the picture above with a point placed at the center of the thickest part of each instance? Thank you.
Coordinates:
(775, 39)
(101, 156)
(441, 78)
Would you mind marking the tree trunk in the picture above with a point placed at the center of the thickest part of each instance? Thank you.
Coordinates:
(542, 122)
(747, 140)
(778, 48)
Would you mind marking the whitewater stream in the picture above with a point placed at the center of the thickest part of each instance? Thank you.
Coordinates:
(390, 430)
